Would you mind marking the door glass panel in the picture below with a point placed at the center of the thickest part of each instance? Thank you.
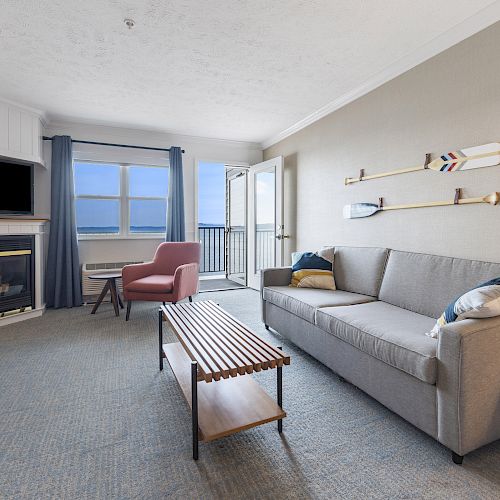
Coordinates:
(265, 219)
(237, 229)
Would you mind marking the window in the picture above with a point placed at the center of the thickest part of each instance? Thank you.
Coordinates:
(120, 200)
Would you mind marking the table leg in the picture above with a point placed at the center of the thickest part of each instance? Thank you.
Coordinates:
(101, 297)
(280, 394)
(194, 407)
(160, 337)
(119, 298)
(112, 287)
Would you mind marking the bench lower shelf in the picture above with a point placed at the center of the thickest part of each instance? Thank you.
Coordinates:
(224, 407)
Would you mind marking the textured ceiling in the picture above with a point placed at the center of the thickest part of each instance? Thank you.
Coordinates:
(228, 69)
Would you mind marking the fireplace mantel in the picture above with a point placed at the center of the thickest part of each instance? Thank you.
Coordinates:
(37, 226)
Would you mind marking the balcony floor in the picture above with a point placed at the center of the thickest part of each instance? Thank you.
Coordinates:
(212, 284)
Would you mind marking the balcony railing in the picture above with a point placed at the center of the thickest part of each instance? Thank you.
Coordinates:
(213, 249)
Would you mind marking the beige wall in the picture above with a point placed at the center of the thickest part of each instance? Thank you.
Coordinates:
(449, 102)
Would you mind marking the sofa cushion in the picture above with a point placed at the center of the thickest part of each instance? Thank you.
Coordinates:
(426, 284)
(386, 332)
(359, 270)
(156, 283)
(303, 302)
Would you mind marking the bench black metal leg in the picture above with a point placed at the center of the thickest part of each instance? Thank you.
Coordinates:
(194, 407)
(160, 337)
(457, 459)
(280, 394)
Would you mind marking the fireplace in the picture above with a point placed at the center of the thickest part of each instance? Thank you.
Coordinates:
(17, 278)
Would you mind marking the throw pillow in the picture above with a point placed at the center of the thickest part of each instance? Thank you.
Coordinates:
(325, 252)
(310, 270)
(480, 302)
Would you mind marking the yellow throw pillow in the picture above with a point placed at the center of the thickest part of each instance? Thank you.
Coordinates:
(313, 278)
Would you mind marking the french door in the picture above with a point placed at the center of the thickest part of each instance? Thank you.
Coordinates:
(236, 225)
(266, 231)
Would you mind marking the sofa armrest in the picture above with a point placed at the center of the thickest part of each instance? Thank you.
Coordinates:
(133, 272)
(275, 276)
(468, 384)
(185, 281)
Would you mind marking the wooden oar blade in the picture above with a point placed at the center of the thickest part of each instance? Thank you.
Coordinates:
(358, 210)
(461, 160)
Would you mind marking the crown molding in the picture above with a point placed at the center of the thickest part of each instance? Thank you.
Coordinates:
(89, 130)
(456, 34)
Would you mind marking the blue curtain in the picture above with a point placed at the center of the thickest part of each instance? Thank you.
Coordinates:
(63, 283)
(175, 207)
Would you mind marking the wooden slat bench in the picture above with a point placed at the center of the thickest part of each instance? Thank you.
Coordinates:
(215, 347)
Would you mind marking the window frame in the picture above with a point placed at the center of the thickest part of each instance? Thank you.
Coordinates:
(124, 206)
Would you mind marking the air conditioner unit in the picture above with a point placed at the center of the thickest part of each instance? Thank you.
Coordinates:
(91, 288)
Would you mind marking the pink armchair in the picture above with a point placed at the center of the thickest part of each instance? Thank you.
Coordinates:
(170, 277)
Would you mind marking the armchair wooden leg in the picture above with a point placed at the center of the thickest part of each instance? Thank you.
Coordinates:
(129, 306)
(190, 298)
(457, 459)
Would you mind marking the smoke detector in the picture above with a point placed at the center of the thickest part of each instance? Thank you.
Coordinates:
(129, 23)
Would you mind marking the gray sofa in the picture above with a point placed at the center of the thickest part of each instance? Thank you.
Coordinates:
(371, 331)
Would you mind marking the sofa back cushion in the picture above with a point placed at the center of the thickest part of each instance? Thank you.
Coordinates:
(426, 284)
(359, 270)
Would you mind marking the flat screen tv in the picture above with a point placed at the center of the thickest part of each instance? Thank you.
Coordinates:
(16, 188)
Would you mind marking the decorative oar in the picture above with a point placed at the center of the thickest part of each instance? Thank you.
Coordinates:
(359, 210)
(487, 155)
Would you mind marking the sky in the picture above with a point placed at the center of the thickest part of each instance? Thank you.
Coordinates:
(104, 180)
(211, 193)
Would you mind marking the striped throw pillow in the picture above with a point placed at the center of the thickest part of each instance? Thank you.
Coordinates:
(311, 270)
(480, 302)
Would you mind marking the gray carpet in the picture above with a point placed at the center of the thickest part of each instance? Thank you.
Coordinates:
(85, 413)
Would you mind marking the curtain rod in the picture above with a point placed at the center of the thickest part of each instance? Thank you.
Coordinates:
(45, 138)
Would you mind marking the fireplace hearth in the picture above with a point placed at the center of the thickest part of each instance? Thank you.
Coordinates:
(17, 268)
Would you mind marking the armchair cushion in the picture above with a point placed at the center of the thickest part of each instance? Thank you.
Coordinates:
(156, 283)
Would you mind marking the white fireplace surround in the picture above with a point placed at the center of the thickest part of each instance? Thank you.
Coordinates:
(38, 228)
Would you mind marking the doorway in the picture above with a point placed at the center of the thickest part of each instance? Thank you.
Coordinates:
(221, 226)
(240, 223)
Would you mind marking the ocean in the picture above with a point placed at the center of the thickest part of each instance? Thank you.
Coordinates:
(116, 229)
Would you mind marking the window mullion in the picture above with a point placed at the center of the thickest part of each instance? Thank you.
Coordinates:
(124, 205)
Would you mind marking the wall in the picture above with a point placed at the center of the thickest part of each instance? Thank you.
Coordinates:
(449, 102)
(196, 149)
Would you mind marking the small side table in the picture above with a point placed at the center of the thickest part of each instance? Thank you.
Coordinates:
(110, 286)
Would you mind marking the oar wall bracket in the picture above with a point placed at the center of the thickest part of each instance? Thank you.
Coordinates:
(458, 196)
(427, 160)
